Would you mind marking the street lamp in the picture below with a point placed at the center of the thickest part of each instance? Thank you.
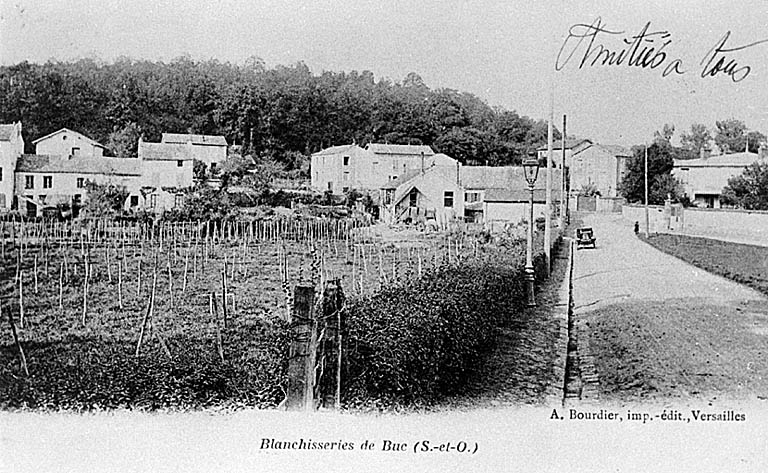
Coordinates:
(531, 170)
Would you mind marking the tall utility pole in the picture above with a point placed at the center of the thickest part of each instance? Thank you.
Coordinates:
(548, 176)
(647, 223)
(563, 196)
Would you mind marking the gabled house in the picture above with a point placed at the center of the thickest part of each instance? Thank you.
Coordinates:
(472, 193)
(47, 181)
(420, 196)
(598, 165)
(66, 160)
(341, 168)
(704, 178)
(66, 142)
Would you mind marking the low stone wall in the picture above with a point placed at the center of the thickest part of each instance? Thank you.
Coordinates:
(656, 220)
(742, 226)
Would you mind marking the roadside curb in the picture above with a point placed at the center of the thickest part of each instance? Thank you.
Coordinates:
(556, 393)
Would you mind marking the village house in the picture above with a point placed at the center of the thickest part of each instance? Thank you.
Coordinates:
(11, 147)
(572, 146)
(210, 149)
(66, 160)
(341, 168)
(478, 194)
(51, 180)
(66, 142)
(704, 178)
(590, 165)
(598, 166)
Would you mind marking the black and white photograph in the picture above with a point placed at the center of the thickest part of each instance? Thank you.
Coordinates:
(377, 235)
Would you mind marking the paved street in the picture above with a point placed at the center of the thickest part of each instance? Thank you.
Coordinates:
(656, 328)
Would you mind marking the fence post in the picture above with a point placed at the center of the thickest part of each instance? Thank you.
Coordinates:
(330, 329)
(299, 395)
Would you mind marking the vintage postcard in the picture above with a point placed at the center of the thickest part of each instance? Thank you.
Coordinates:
(353, 236)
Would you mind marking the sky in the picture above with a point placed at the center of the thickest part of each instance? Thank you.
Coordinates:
(505, 52)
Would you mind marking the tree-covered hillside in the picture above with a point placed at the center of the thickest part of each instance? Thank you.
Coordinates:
(275, 112)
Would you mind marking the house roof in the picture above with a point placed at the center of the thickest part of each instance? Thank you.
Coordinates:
(616, 150)
(487, 177)
(337, 150)
(742, 159)
(414, 150)
(204, 140)
(402, 179)
(570, 143)
(165, 151)
(6, 132)
(78, 165)
(67, 130)
(519, 195)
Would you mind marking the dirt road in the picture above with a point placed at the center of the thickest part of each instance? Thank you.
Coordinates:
(653, 328)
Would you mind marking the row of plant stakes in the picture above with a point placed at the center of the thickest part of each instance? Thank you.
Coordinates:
(216, 300)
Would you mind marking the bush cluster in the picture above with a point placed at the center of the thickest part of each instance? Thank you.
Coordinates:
(416, 342)
(86, 373)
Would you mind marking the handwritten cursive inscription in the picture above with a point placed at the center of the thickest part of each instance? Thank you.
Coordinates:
(717, 61)
(647, 49)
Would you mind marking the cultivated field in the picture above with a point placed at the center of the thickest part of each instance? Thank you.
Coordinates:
(180, 315)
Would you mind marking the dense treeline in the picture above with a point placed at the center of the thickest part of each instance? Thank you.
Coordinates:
(278, 112)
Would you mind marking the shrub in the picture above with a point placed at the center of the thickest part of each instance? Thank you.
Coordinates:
(418, 341)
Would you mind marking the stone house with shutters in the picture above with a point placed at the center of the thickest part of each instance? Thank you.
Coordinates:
(704, 178)
(477, 194)
(342, 168)
(65, 160)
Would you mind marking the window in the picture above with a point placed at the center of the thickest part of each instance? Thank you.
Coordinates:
(75, 151)
(153, 201)
(80, 182)
(388, 195)
(29, 182)
(392, 177)
(448, 199)
(178, 200)
(179, 163)
(345, 189)
(213, 168)
(134, 201)
(1, 174)
(330, 186)
(41, 198)
(471, 197)
(76, 200)
(47, 182)
(346, 160)
(345, 176)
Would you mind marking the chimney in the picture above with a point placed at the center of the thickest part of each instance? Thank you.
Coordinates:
(422, 162)
(458, 173)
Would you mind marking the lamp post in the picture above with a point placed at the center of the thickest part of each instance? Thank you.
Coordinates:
(531, 170)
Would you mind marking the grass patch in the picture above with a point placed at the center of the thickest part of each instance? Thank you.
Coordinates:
(745, 264)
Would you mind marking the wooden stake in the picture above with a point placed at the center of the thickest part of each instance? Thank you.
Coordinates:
(61, 285)
(16, 341)
(148, 313)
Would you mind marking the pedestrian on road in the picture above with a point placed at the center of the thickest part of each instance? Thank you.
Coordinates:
(637, 227)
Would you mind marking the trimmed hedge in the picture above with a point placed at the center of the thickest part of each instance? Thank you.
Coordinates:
(419, 341)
